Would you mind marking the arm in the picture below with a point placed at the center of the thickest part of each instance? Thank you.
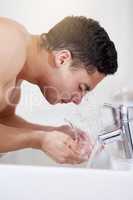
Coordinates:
(8, 116)
(16, 133)
(59, 146)
(18, 122)
(12, 139)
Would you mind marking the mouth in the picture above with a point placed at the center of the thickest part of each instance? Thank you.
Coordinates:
(65, 101)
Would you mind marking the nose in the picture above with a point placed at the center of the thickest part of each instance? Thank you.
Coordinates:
(77, 100)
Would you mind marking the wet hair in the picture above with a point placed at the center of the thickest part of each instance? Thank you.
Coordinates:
(87, 41)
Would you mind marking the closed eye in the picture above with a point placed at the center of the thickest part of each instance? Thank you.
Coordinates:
(87, 88)
(84, 88)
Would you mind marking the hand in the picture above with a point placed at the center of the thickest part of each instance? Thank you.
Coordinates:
(67, 129)
(64, 149)
(74, 132)
(83, 139)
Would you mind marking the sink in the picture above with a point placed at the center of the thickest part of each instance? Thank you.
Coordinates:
(62, 183)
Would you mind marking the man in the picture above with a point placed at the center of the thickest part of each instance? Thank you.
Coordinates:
(69, 60)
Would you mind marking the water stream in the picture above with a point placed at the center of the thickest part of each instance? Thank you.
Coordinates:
(95, 152)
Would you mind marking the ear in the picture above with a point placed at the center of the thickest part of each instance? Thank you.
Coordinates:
(62, 57)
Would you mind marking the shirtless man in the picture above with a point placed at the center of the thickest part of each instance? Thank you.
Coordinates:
(65, 63)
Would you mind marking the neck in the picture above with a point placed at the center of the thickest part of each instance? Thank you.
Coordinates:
(31, 69)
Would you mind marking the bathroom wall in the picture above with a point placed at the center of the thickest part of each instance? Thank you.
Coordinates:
(39, 16)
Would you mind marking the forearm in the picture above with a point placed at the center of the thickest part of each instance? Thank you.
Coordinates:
(12, 138)
(18, 122)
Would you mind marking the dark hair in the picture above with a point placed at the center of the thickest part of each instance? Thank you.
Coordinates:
(87, 41)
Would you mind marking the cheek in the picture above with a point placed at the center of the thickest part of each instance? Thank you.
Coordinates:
(68, 90)
(71, 86)
(67, 84)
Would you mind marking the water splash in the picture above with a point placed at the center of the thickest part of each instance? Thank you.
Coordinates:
(95, 152)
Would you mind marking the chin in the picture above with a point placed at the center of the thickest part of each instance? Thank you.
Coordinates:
(52, 101)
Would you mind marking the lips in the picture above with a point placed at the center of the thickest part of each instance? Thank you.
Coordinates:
(65, 101)
(76, 101)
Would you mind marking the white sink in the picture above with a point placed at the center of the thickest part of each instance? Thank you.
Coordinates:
(19, 182)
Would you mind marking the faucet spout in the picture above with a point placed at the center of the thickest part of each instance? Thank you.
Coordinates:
(109, 137)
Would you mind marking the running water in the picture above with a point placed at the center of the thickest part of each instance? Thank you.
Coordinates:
(95, 152)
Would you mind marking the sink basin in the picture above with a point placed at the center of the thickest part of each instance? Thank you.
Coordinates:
(63, 183)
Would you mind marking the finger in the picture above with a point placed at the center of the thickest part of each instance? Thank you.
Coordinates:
(74, 158)
(79, 151)
(75, 154)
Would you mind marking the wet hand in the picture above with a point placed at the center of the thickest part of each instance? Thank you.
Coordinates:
(67, 146)
(82, 138)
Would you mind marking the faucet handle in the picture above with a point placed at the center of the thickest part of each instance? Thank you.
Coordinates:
(111, 106)
(115, 112)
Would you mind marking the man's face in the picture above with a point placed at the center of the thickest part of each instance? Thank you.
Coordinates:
(67, 84)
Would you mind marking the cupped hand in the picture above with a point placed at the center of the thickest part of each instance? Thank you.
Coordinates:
(67, 145)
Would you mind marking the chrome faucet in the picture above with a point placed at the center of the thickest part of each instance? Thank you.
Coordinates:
(123, 130)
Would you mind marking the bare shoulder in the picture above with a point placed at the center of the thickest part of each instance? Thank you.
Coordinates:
(13, 48)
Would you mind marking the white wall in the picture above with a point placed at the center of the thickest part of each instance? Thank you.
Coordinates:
(39, 16)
